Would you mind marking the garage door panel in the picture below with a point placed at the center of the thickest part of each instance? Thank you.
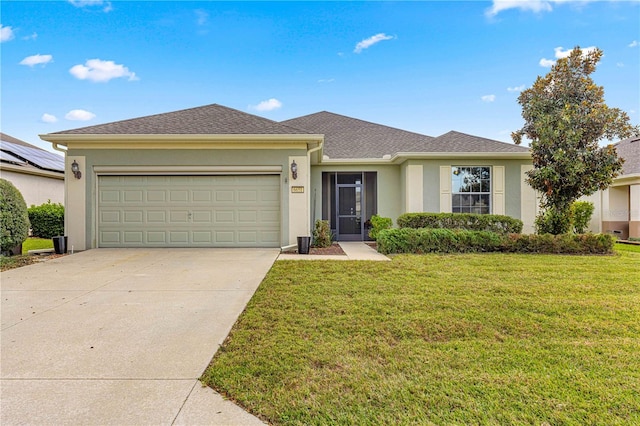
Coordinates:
(179, 211)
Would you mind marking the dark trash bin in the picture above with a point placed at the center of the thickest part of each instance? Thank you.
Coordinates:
(60, 244)
(303, 245)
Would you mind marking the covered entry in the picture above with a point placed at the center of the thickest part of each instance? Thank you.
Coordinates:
(349, 201)
(187, 211)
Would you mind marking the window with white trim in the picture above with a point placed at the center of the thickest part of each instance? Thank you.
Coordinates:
(471, 189)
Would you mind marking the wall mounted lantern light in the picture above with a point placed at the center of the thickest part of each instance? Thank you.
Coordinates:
(75, 168)
(294, 170)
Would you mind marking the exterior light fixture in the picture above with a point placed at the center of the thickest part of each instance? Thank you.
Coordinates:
(75, 168)
(294, 170)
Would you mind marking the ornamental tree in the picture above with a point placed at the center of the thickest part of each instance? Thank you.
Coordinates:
(565, 118)
(14, 220)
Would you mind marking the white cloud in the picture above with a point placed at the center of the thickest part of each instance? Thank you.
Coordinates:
(36, 60)
(366, 43)
(202, 16)
(561, 52)
(620, 64)
(536, 6)
(79, 115)
(31, 37)
(6, 33)
(326, 80)
(268, 105)
(98, 70)
(516, 88)
(104, 4)
(547, 63)
(634, 43)
(48, 118)
(488, 98)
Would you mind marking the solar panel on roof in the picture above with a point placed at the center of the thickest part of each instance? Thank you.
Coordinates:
(37, 157)
(7, 157)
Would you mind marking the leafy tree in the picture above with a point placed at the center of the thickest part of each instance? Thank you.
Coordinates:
(14, 220)
(565, 119)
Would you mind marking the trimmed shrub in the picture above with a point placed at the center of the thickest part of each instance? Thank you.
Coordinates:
(47, 220)
(469, 221)
(553, 221)
(419, 241)
(322, 234)
(581, 212)
(560, 244)
(14, 221)
(378, 223)
(437, 240)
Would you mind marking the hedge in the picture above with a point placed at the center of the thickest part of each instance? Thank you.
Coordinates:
(433, 240)
(427, 240)
(469, 221)
(47, 220)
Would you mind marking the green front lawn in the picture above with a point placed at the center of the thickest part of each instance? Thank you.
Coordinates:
(440, 339)
(36, 244)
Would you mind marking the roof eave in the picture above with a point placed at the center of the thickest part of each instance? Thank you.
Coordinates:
(63, 139)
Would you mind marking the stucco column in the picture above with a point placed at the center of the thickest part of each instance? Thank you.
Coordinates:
(75, 206)
(299, 198)
(634, 210)
(414, 189)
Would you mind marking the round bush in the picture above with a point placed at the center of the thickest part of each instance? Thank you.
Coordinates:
(13, 217)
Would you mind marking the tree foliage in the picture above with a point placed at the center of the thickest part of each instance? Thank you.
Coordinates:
(14, 221)
(565, 118)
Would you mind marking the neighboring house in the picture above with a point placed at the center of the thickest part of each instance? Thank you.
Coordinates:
(38, 174)
(620, 203)
(213, 176)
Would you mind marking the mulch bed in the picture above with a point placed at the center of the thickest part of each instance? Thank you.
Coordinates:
(333, 250)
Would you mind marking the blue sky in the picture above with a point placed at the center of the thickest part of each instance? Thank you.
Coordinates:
(427, 67)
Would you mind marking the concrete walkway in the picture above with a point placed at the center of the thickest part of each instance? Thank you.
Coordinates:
(354, 250)
(121, 336)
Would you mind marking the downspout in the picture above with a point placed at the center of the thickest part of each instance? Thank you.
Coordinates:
(57, 148)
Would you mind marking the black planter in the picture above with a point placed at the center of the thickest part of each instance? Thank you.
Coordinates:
(60, 244)
(303, 245)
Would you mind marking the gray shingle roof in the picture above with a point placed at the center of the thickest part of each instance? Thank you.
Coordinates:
(629, 149)
(462, 142)
(346, 137)
(205, 120)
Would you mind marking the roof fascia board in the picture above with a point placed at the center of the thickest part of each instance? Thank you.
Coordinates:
(404, 156)
(65, 138)
(6, 167)
(624, 180)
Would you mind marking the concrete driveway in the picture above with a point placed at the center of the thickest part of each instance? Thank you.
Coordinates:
(120, 336)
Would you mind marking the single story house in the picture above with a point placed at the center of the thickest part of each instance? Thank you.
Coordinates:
(213, 176)
(36, 173)
(619, 205)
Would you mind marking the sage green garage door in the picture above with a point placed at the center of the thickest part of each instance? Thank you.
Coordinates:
(189, 211)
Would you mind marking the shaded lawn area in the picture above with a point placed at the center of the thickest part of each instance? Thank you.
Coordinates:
(440, 339)
(11, 262)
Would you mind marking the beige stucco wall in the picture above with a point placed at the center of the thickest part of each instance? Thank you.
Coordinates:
(36, 189)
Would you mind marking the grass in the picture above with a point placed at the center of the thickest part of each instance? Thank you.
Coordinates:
(13, 262)
(632, 248)
(440, 339)
(36, 244)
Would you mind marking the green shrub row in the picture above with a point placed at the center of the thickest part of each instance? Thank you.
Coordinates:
(427, 240)
(434, 240)
(560, 244)
(47, 220)
(469, 221)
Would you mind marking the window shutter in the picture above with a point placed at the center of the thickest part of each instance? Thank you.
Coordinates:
(497, 182)
(445, 189)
